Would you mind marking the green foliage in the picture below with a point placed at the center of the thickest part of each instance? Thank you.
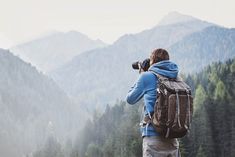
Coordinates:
(200, 97)
(220, 90)
(212, 132)
(201, 152)
(93, 150)
(115, 133)
(213, 77)
(182, 148)
(232, 67)
(51, 148)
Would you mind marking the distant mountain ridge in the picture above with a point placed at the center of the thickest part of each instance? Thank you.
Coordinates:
(175, 17)
(199, 49)
(32, 107)
(51, 51)
(105, 75)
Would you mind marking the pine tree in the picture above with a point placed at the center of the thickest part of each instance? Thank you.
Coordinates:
(200, 97)
(93, 150)
(220, 90)
(51, 148)
(200, 152)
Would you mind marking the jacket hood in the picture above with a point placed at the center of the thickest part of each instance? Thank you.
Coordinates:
(165, 68)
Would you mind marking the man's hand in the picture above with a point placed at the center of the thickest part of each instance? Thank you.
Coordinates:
(140, 68)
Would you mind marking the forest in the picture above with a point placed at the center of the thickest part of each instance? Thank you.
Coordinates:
(115, 132)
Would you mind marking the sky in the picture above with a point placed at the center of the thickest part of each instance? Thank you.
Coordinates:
(107, 20)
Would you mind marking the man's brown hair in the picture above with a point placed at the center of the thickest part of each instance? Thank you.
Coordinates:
(159, 55)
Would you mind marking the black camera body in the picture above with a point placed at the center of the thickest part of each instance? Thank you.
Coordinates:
(141, 65)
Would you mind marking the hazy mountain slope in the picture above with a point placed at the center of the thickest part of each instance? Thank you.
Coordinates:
(162, 35)
(51, 51)
(202, 48)
(101, 76)
(32, 107)
(175, 17)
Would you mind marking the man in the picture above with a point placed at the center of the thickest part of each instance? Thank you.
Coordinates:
(153, 144)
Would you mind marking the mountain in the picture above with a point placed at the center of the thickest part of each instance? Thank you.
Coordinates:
(162, 35)
(32, 107)
(175, 17)
(199, 49)
(101, 76)
(51, 51)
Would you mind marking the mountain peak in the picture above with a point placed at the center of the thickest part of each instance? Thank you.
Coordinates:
(76, 33)
(56, 49)
(175, 17)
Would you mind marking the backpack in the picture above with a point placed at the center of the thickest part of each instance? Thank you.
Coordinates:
(173, 107)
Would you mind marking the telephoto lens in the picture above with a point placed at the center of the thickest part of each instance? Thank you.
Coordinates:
(143, 65)
(135, 65)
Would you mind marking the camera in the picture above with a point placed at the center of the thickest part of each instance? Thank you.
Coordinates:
(141, 65)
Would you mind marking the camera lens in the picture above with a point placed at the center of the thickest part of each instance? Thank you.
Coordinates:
(135, 65)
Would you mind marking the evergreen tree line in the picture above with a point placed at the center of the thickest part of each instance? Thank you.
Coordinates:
(213, 127)
(115, 133)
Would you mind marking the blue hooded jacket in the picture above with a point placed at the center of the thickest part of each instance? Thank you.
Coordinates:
(145, 86)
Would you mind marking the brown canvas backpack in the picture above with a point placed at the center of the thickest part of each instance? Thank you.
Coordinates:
(173, 108)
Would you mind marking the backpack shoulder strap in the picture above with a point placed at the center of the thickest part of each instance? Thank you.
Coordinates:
(159, 76)
(163, 78)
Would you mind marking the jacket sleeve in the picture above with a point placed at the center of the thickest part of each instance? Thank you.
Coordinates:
(137, 91)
